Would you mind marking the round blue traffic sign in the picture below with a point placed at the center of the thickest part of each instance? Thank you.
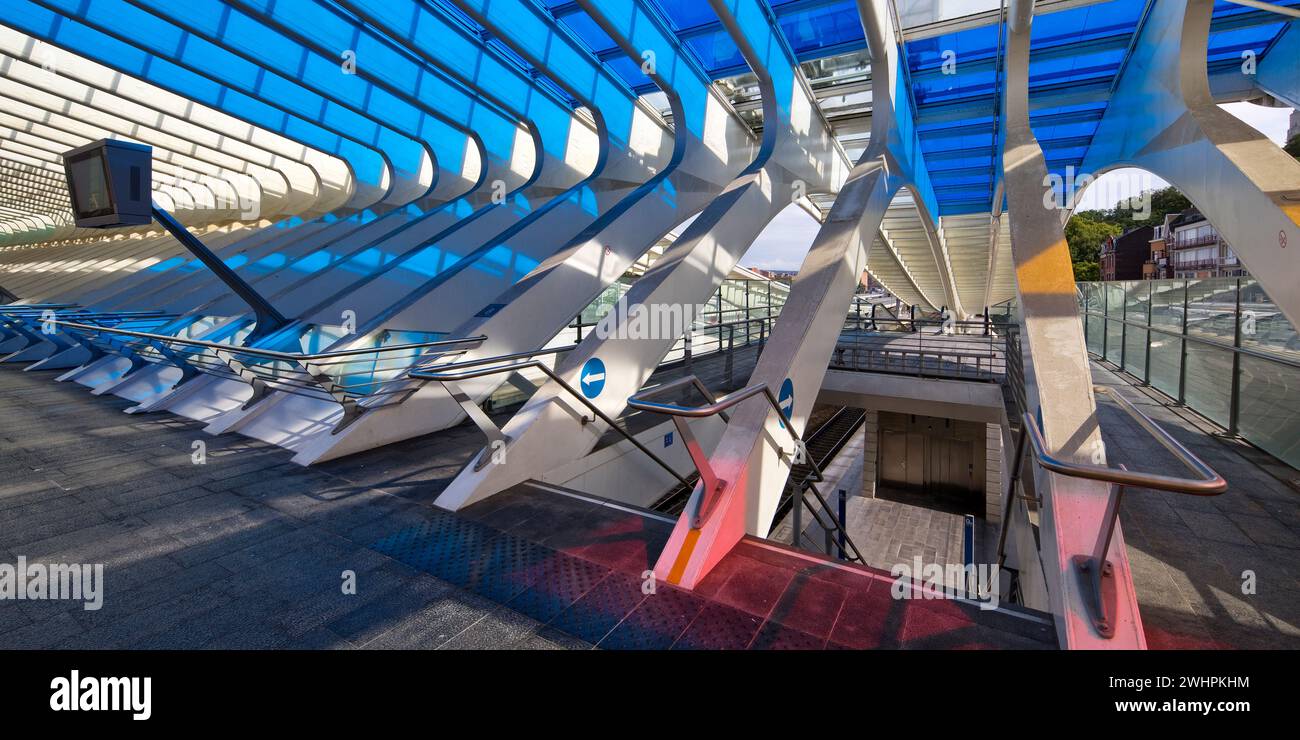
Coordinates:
(592, 378)
(785, 399)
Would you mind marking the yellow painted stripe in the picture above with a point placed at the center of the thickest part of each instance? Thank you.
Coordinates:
(1292, 212)
(683, 557)
(1048, 272)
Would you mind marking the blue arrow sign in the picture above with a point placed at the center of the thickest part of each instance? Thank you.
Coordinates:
(786, 399)
(592, 378)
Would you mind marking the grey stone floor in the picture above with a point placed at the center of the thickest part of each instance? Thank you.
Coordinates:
(248, 550)
(1189, 554)
(894, 532)
(245, 551)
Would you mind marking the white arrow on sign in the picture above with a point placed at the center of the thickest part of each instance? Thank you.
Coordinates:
(590, 378)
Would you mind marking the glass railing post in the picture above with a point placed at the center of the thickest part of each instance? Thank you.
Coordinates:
(1234, 396)
(1146, 363)
(1182, 357)
(1123, 330)
(1086, 317)
(731, 352)
(1105, 320)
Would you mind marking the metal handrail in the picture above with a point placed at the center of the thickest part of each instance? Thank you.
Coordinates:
(980, 357)
(1207, 483)
(272, 354)
(312, 365)
(471, 369)
(69, 310)
(913, 326)
(722, 404)
(1270, 355)
(11, 306)
(1093, 570)
(712, 485)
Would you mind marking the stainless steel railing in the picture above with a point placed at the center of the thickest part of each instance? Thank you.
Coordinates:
(1093, 569)
(449, 375)
(701, 504)
(308, 373)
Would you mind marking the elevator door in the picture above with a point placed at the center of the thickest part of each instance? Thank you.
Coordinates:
(949, 465)
(935, 463)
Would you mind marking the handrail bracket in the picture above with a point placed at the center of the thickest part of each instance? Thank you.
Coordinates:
(1096, 574)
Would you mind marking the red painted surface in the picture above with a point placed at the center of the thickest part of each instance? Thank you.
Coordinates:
(586, 577)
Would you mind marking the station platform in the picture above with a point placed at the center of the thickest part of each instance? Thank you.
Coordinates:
(248, 549)
(1191, 556)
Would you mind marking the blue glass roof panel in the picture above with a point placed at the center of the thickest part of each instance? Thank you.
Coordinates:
(684, 14)
(826, 26)
(588, 31)
(1233, 43)
(716, 51)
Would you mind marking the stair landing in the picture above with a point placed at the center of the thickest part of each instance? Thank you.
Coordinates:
(581, 565)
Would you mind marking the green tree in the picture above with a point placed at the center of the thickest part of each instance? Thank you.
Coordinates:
(1163, 201)
(1293, 146)
(1087, 271)
(1085, 233)
(1086, 230)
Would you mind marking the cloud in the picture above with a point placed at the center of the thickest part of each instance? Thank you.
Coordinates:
(784, 242)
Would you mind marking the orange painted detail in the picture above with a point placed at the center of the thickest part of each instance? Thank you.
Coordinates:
(1292, 212)
(683, 557)
(1048, 272)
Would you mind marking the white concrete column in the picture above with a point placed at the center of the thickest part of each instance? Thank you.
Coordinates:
(753, 456)
(1058, 379)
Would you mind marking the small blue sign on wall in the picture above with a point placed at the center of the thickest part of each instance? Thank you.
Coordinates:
(785, 399)
(668, 439)
(592, 378)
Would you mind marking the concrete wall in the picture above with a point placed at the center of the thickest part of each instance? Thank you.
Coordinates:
(621, 472)
(993, 483)
(870, 452)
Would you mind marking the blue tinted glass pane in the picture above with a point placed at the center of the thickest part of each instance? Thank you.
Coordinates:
(716, 50)
(1231, 43)
(586, 29)
(823, 27)
(685, 14)
(629, 71)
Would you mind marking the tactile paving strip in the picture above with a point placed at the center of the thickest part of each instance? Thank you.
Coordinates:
(508, 568)
(719, 627)
(656, 623)
(447, 546)
(776, 636)
(558, 581)
(601, 609)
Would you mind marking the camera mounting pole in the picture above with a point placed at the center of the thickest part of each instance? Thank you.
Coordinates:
(268, 319)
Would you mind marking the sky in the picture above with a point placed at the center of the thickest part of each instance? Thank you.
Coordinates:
(786, 240)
